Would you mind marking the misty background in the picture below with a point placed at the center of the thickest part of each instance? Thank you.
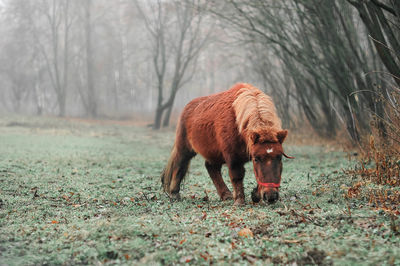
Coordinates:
(327, 64)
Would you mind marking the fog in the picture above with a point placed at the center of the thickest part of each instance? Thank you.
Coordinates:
(326, 64)
(110, 59)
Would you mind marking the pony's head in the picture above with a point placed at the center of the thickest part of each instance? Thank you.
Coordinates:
(266, 152)
(261, 127)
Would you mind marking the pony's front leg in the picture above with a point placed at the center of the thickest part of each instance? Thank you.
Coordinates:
(214, 170)
(236, 173)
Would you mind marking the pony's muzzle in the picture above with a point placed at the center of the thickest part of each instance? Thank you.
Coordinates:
(271, 197)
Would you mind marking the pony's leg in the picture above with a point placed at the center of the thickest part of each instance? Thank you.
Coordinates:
(214, 170)
(180, 172)
(236, 173)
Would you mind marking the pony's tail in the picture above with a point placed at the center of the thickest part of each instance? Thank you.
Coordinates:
(178, 163)
(170, 168)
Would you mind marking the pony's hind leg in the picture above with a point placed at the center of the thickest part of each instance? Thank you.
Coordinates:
(214, 170)
(179, 173)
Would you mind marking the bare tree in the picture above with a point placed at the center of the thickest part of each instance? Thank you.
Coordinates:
(321, 49)
(22, 53)
(176, 50)
(58, 20)
(15, 72)
(91, 99)
(382, 20)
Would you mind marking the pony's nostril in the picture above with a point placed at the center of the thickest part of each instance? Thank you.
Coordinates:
(271, 198)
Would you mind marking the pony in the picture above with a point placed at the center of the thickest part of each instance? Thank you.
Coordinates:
(232, 128)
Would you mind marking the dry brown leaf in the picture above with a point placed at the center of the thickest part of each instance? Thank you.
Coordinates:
(245, 232)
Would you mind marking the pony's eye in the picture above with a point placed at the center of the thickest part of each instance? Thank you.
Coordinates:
(279, 157)
(257, 158)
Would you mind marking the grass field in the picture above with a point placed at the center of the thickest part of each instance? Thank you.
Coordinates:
(74, 192)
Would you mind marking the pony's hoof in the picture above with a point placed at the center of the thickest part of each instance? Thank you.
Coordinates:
(239, 202)
(175, 196)
(227, 196)
(255, 197)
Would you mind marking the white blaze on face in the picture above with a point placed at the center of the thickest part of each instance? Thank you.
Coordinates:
(270, 150)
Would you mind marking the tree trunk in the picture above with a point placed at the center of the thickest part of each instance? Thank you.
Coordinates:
(61, 104)
(167, 116)
(157, 118)
(64, 86)
(92, 102)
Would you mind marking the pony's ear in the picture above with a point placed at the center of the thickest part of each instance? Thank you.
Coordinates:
(254, 137)
(282, 135)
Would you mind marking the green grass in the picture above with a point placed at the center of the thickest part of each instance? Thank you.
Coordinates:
(78, 193)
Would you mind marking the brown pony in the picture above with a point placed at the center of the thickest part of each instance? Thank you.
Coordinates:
(232, 127)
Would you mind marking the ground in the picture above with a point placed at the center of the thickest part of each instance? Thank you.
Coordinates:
(87, 192)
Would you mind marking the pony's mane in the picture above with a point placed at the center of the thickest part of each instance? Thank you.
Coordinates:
(255, 112)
